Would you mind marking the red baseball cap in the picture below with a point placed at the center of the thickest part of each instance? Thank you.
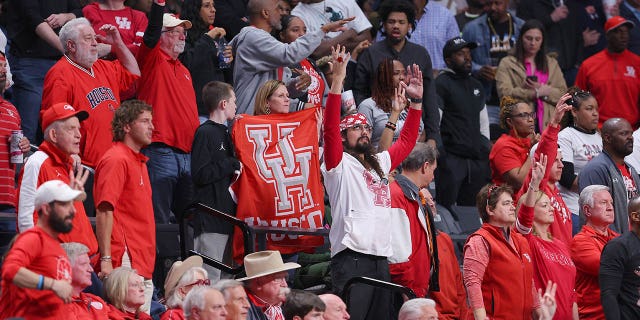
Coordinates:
(617, 21)
(61, 111)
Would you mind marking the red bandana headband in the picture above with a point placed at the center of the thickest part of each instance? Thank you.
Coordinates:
(351, 120)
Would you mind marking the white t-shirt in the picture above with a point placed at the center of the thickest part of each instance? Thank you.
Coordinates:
(578, 148)
(315, 15)
(360, 206)
(634, 158)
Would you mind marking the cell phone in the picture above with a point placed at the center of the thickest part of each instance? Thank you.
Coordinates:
(533, 78)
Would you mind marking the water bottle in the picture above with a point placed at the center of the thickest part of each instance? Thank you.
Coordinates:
(223, 62)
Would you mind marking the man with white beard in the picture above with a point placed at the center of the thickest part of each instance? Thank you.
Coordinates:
(166, 85)
(266, 284)
(81, 80)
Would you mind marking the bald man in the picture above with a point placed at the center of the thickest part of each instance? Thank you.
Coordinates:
(609, 169)
(335, 308)
(259, 55)
(620, 271)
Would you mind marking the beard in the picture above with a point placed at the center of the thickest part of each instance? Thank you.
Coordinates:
(87, 59)
(59, 224)
(179, 47)
(363, 145)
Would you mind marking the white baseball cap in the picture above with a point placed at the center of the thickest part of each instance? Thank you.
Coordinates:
(170, 20)
(56, 190)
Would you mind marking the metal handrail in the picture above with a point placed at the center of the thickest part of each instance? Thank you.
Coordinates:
(375, 283)
(247, 234)
(217, 264)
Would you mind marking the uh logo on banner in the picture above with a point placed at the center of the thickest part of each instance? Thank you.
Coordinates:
(280, 183)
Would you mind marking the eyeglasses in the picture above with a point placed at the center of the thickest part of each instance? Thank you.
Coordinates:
(360, 127)
(174, 31)
(201, 282)
(525, 115)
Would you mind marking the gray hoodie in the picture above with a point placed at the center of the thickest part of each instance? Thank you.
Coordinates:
(258, 56)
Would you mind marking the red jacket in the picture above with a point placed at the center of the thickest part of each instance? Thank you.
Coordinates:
(586, 248)
(50, 163)
(451, 300)
(411, 263)
(508, 279)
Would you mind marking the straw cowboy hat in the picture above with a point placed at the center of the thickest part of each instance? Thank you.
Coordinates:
(178, 269)
(264, 263)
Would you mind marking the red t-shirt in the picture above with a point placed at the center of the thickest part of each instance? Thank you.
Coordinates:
(122, 180)
(166, 85)
(9, 121)
(586, 248)
(130, 23)
(614, 79)
(507, 153)
(37, 251)
(87, 306)
(551, 261)
(96, 91)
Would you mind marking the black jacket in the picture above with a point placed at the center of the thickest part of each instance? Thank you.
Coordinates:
(213, 163)
(462, 99)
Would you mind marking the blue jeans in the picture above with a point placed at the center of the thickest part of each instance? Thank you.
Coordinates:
(28, 78)
(170, 175)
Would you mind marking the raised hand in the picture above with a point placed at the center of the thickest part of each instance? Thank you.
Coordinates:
(399, 100)
(548, 301)
(561, 108)
(340, 59)
(336, 25)
(414, 79)
(78, 180)
(538, 169)
(112, 35)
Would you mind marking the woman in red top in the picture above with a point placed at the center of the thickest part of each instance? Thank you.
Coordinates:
(551, 257)
(124, 290)
(497, 267)
(508, 157)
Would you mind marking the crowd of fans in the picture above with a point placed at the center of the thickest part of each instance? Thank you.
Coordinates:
(131, 111)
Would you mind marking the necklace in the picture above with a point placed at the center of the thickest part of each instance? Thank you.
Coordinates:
(498, 45)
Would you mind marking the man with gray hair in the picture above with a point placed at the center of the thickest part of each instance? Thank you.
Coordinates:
(610, 169)
(236, 298)
(87, 83)
(596, 204)
(418, 309)
(204, 303)
(83, 305)
(414, 262)
(53, 162)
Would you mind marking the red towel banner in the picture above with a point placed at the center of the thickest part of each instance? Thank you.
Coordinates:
(280, 183)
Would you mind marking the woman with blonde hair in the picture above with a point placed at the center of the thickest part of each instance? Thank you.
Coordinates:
(550, 256)
(124, 289)
(271, 98)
